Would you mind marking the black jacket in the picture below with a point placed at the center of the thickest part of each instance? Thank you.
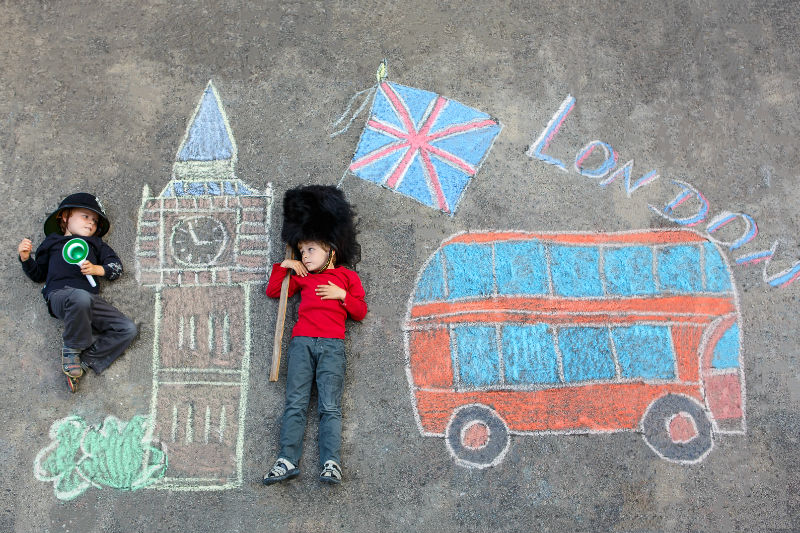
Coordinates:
(49, 265)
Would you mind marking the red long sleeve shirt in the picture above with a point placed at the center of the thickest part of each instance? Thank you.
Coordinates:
(317, 317)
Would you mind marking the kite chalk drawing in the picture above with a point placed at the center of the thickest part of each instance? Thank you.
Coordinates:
(694, 206)
(116, 455)
(202, 243)
(511, 332)
(422, 145)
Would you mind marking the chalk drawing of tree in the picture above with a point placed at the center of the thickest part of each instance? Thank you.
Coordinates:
(117, 455)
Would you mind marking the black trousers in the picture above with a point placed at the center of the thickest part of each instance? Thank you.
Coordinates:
(92, 325)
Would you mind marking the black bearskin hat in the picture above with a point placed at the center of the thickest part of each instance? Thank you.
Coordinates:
(321, 213)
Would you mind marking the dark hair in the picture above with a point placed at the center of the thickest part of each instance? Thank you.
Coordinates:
(321, 213)
(62, 218)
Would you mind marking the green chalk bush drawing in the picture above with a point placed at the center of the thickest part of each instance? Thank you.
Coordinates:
(117, 455)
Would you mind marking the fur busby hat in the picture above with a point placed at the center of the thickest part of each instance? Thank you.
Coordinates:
(321, 213)
(83, 200)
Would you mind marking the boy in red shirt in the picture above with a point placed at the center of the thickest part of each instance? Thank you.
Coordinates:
(318, 223)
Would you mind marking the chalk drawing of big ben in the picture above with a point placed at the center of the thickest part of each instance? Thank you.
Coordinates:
(202, 243)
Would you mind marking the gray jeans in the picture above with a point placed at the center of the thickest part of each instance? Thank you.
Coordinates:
(320, 360)
(91, 322)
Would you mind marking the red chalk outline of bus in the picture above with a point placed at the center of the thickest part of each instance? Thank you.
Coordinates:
(678, 418)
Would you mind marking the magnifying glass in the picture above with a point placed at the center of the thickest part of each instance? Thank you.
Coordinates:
(75, 252)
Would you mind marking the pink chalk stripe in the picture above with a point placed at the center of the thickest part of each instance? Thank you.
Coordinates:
(587, 154)
(396, 177)
(569, 103)
(461, 128)
(437, 108)
(375, 125)
(372, 157)
(434, 182)
(399, 108)
(682, 197)
(455, 161)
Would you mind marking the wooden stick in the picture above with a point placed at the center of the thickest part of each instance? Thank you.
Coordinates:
(276, 347)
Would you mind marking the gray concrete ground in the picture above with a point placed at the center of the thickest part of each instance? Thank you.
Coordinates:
(97, 97)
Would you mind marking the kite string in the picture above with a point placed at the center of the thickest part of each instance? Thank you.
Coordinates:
(358, 111)
(341, 181)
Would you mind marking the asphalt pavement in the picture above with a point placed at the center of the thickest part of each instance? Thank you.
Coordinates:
(637, 129)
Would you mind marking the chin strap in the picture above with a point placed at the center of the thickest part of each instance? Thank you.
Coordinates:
(328, 263)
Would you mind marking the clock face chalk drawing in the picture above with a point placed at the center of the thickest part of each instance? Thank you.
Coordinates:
(198, 240)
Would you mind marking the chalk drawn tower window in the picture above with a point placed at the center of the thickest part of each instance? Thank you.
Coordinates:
(201, 245)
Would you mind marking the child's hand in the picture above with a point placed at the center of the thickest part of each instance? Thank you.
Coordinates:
(90, 269)
(330, 291)
(24, 249)
(298, 267)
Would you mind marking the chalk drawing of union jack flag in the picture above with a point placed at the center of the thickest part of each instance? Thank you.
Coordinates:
(423, 145)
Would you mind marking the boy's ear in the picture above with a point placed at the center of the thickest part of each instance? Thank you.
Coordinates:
(62, 217)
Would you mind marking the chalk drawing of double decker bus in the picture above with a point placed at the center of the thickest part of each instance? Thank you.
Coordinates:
(521, 333)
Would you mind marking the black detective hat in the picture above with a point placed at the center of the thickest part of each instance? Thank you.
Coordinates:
(83, 200)
(321, 213)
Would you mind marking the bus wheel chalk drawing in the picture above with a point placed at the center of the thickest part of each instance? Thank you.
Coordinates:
(520, 333)
(422, 145)
(202, 243)
(116, 455)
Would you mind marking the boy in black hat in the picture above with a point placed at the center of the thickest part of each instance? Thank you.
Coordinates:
(318, 224)
(77, 228)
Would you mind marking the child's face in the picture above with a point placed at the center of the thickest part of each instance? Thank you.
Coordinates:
(314, 255)
(82, 222)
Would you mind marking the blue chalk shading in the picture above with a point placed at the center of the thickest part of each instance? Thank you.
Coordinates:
(470, 146)
(785, 278)
(213, 188)
(529, 354)
(379, 170)
(469, 270)
(586, 353)
(726, 352)
(718, 277)
(414, 183)
(629, 270)
(383, 110)
(478, 360)
(456, 113)
(603, 169)
(679, 269)
(208, 138)
(521, 268)
(644, 351)
(372, 140)
(431, 284)
(452, 181)
(229, 188)
(576, 271)
(195, 188)
(417, 101)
